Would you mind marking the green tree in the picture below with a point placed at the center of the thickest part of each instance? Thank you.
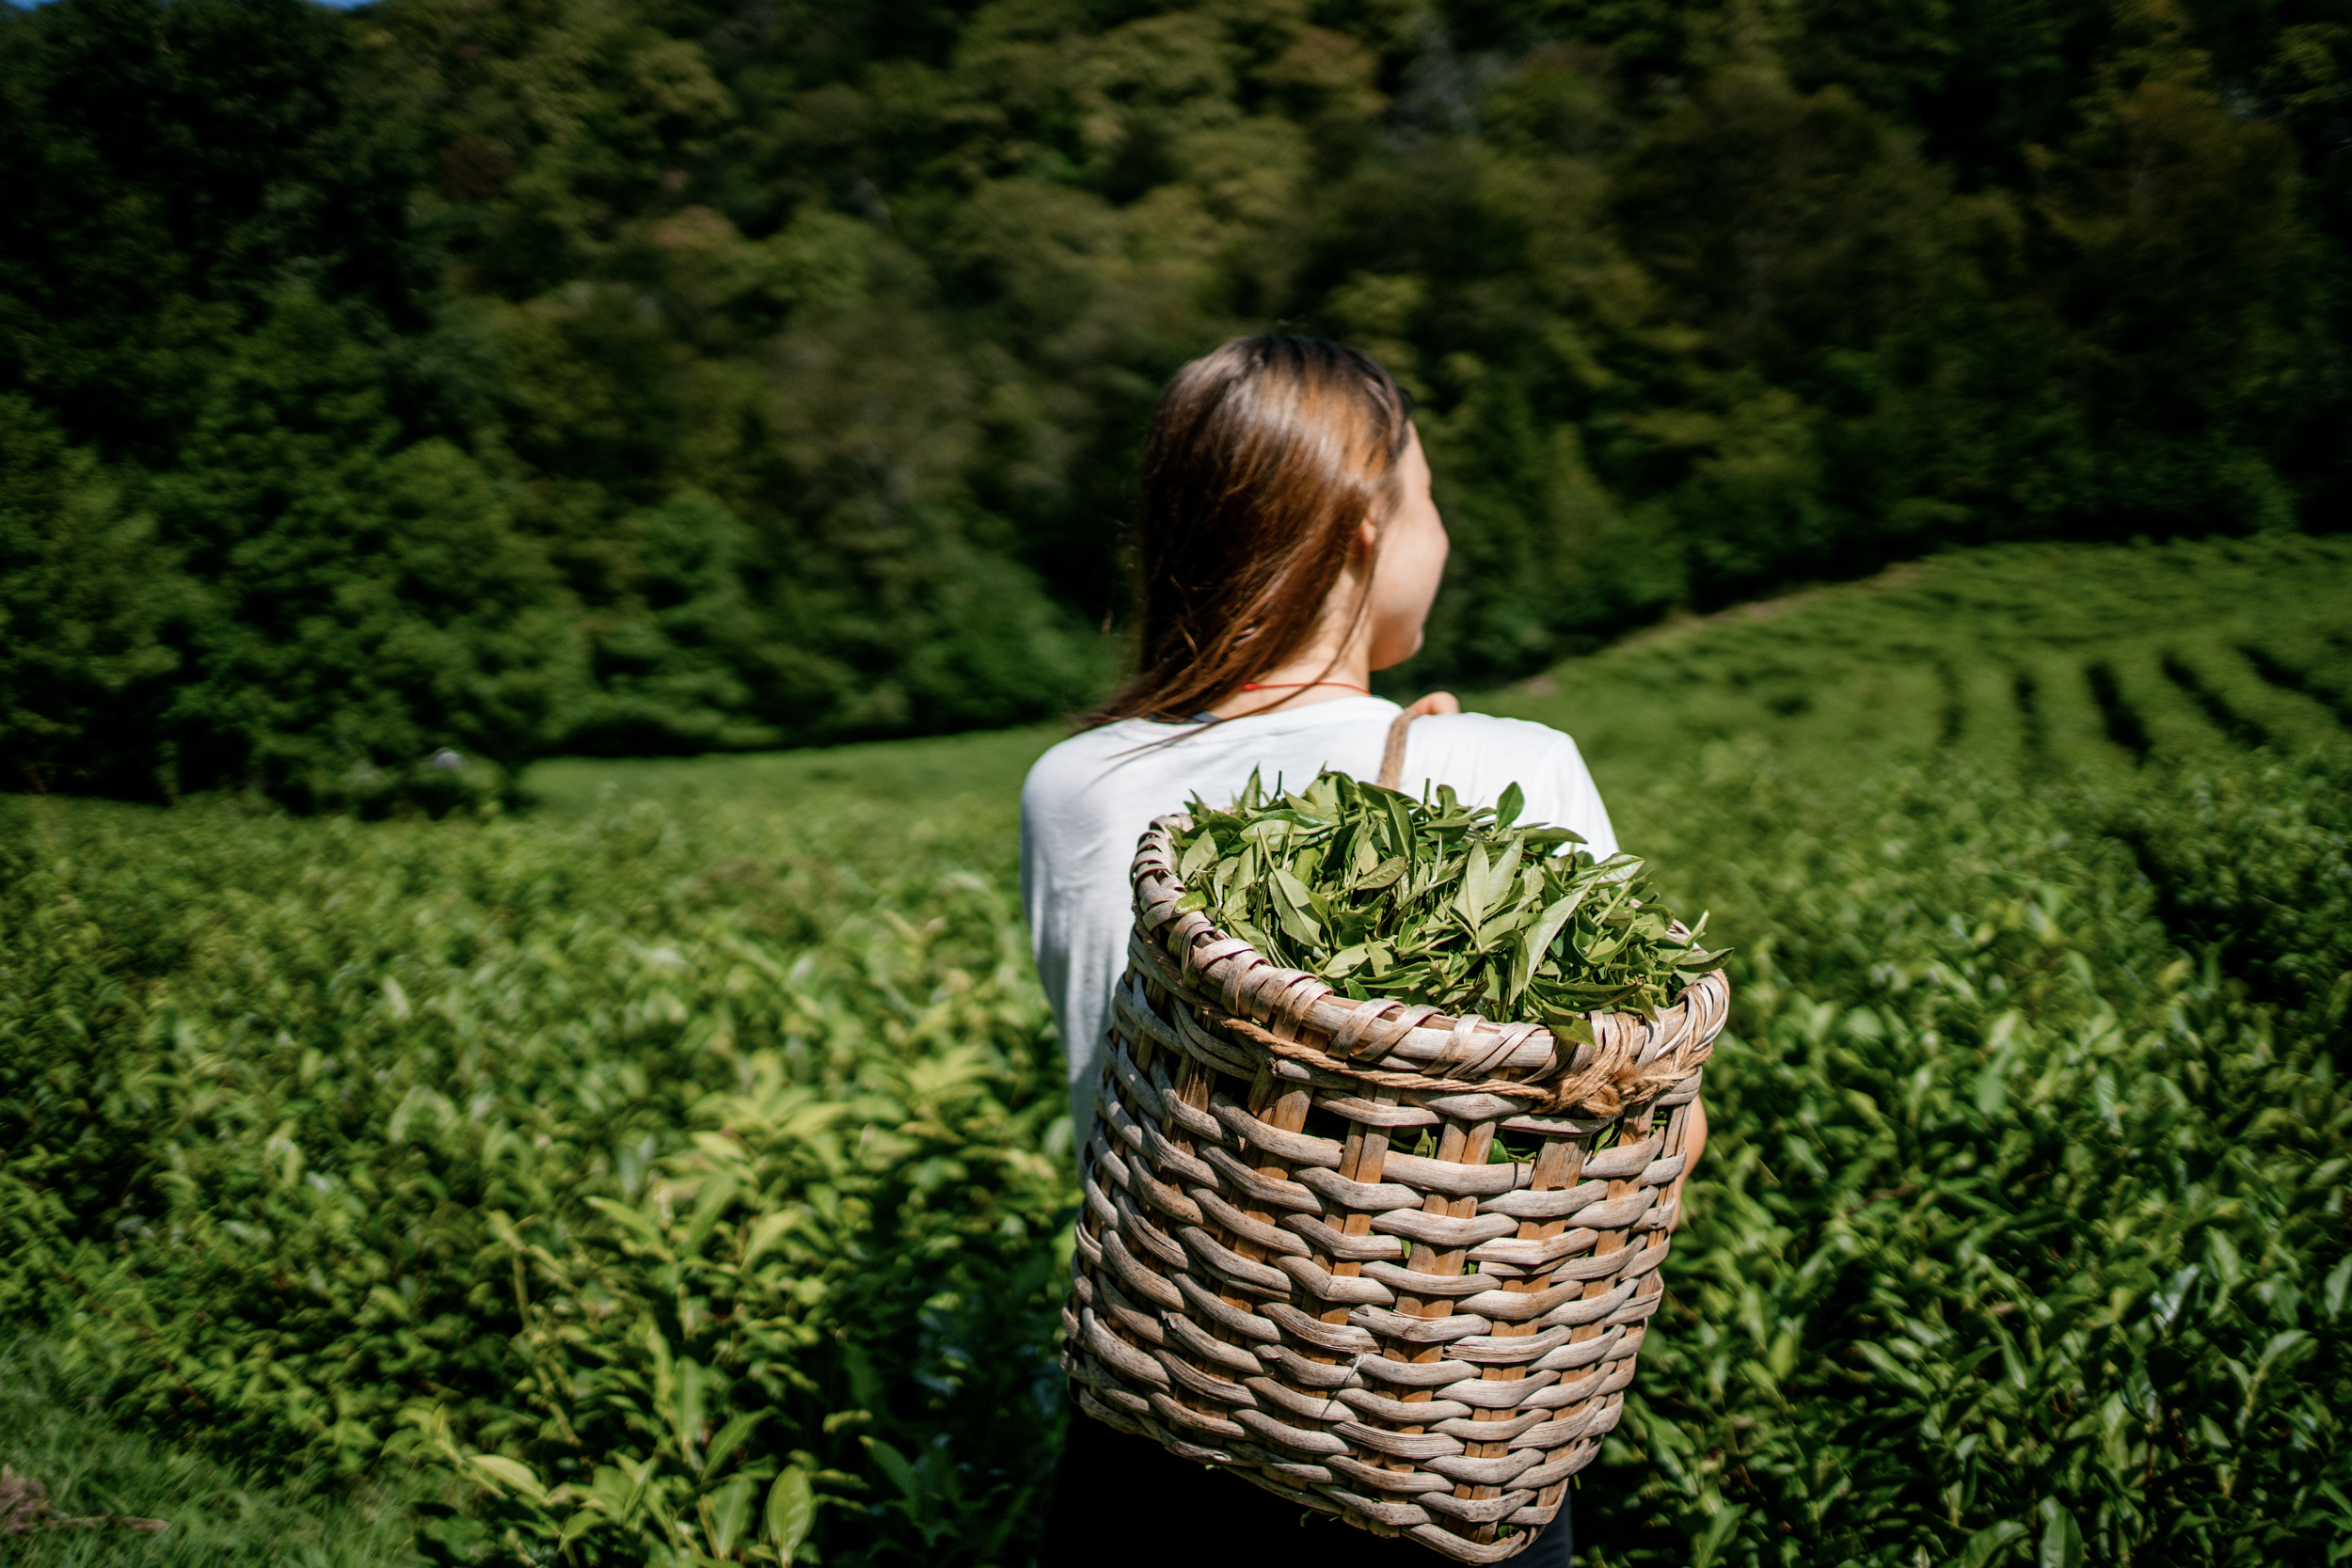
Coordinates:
(2172, 250)
(89, 602)
(371, 603)
(799, 355)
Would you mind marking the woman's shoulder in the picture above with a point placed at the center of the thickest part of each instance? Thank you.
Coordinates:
(1093, 769)
(1481, 756)
(1072, 764)
(1491, 734)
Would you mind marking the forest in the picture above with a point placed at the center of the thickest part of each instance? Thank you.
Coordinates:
(390, 397)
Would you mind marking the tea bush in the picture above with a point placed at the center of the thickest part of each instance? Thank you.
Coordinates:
(676, 1173)
(217, 1513)
(326, 1140)
(2027, 1227)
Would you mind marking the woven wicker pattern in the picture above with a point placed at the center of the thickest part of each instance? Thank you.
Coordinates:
(1426, 1343)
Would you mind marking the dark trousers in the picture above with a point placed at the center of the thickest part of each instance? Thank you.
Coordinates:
(1125, 1502)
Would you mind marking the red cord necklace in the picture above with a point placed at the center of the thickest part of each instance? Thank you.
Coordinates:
(1294, 686)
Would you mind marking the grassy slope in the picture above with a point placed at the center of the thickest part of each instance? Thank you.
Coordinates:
(2060, 662)
(2035, 657)
(2071, 657)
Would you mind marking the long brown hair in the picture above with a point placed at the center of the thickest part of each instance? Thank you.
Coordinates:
(1264, 457)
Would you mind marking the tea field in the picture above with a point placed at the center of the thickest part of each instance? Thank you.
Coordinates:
(674, 1170)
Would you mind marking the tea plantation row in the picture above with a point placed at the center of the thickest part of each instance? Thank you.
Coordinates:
(676, 1172)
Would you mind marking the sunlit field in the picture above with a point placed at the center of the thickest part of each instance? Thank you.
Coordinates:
(674, 1167)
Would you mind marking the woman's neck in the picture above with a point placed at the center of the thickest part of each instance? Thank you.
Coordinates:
(1324, 673)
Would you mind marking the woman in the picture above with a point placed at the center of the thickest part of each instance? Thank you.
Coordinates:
(1289, 548)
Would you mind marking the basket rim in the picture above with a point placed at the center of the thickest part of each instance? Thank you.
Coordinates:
(1421, 1039)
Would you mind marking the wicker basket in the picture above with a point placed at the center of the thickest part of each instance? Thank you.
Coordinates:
(1254, 1250)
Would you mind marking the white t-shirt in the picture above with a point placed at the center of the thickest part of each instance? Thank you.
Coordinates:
(1088, 800)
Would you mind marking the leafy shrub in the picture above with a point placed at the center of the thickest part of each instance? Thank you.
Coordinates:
(657, 1178)
(572, 1149)
(603, 1152)
(2025, 1229)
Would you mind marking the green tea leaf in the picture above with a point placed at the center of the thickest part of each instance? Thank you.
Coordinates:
(894, 1465)
(2061, 1538)
(1464, 909)
(1202, 855)
(510, 1473)
(647, 1233)
(791, 1511)
(730, 1437)
(730, 1510)
(686, 1410)
(1293, 899)
(1537, 940)
(1982, 1545)
(1710, 1540)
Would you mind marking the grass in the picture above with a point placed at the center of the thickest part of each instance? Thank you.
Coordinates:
(56, 1428)
(392, 1151)
(962, 774)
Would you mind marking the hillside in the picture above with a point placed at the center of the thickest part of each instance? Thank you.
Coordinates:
(632, 379)
(2033, 660)
(2025, 659)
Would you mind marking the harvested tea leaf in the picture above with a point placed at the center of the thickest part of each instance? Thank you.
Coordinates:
(1437, 902)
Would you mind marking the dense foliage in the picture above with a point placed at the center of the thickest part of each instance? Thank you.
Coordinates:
(697, 1144)
(2030, 1226)
(482, 379)
(1436, 901)
(573, 1142)
(2032, 1230)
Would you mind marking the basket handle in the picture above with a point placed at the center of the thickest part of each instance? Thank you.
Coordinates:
(1392, 756)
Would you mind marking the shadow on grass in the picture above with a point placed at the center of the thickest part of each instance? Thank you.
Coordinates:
(52, 1428)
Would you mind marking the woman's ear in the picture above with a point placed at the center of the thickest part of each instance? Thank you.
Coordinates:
(1367, 538)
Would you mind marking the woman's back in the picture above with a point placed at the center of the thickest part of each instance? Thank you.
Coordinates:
(1090, 799)
(1288, 545)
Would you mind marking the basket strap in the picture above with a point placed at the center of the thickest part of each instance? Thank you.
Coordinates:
(1392, 756)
